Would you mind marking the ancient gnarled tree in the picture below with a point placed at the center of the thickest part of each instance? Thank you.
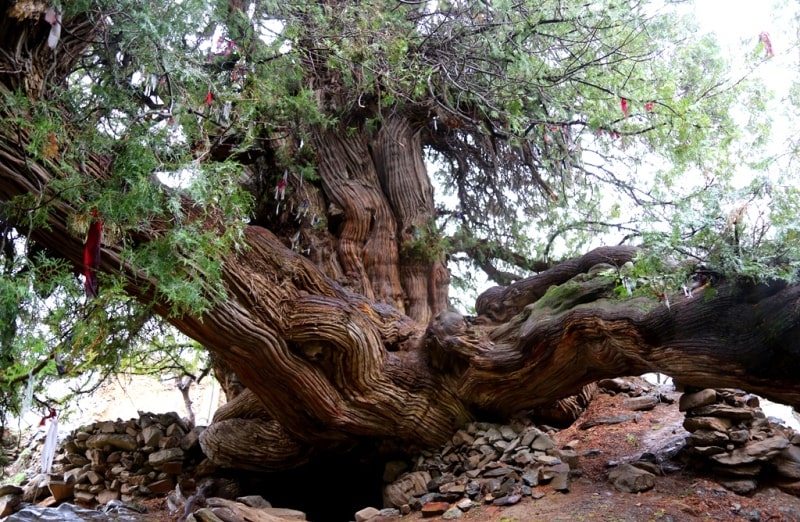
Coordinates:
(264, 176)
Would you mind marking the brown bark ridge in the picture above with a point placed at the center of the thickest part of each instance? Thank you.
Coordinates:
(500, 303)
(326, 366)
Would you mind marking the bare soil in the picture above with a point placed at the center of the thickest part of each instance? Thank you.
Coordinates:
(680, 495)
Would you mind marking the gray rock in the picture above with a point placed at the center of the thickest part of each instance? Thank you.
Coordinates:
(451, 514)
(630, 479)
(159, 458)
(256, 501)
(508, 500)
(755, 450)
(531, 478)
(569, 457)
(643, 403)
(508, 433)
(152, 435)
(707, 451)
(120, 441)
(560, 480)
(465, 504)
(529, 435)
(739, 486)
(787, 462)
(498, 472)
(690, 401)
(616, 385)
(462, 438)
(77, 460)
(723, 410)
(548, 460)
(367, 513)
(523, 457)
(206, 515)
(542, 443)
(739, 436)
(493, 435)
(707, 438)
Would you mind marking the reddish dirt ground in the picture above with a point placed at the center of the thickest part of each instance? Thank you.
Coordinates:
(680, 495)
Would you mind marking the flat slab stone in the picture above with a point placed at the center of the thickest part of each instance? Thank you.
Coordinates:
(690, 401)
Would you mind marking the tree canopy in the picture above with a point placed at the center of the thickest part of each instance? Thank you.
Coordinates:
(296, 185)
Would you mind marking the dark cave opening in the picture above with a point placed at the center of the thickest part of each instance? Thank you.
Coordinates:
(331, 488)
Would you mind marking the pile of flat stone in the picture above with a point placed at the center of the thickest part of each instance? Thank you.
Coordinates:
(731, 437)
(119, 461)
(483, 463)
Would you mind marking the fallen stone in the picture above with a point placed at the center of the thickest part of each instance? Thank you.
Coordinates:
(690, 401)
(10, 489)
(542, 443)
(723, 410)
(707, 438)
(531, 478)
(569, 457)
(650, 467)
(508, 500)
(787, 462)
(616, 385)
(367, 513)
(159, 458)
(739, 436)
(508, 433)
(107, 495)
(755, 450)
(285, 513)
(707, 423)
(256, 501)
(643, 403)
(151, 435)
(529, 435)
(9, 503)
(465, 504)
(548, 460)
(452, 514)
(617, 419)
(498, 472)
(60, 489)
(205, 515)
(707, 451)
(462, 438)
(94, 477)
(84, 497)
(119, 441)
(739, 486)
(434, 509)
(560, 481)
(230, 510)
(630, 479)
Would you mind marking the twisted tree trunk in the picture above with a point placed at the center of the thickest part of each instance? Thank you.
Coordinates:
(329, 363)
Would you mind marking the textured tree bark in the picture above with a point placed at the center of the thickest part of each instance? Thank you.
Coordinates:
(397, 152)
(328, 365)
